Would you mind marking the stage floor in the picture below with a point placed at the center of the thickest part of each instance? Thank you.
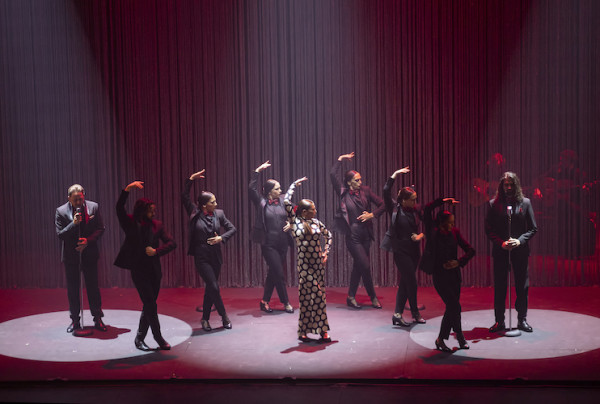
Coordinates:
(564, 346)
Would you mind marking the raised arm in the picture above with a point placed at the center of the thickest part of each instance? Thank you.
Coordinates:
(185, 195)
(255, 196)
(387, 189)
(335, 174)
(121, 212)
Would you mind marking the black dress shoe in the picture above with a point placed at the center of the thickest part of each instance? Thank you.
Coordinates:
(141, 345)
(265, 307)
(304, 338)
(325, 338)
(351, 302)
(99, 324)
(205, 325)
(163, 345)
(524, 326)
(288, 308)
(418, 319)
(75, 325)
(440, 345)
(498, 327)
(375, 302)
(398, 320)
(227, 323)
(463, 343)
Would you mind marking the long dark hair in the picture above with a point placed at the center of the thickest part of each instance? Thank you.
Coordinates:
(303, 205)
(509, 175)
(204, 198)
(140, 208)
(405, 193)
(349, 175)
(268, 187)
(442, 216)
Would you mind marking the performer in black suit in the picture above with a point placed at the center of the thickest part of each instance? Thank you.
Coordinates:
(206, 222)
(402, 238)
(443, 240)
(79, 225)
(140, 254)
(353, 218)
(271, 230)
(522, 229)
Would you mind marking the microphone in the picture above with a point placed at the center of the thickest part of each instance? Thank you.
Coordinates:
(79, 212)
(509, 211)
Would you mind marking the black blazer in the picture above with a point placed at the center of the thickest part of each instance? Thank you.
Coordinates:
(342, 222)
(195, 213)
(68, 233)
(436, 242)
(408, 224)
(522, 226)
(259, 230)
(138, 236)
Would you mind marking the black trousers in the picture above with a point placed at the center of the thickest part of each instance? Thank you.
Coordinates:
(147, 282)
(358, 243)
(520, 266)
(447, 282)
(210, 269)
(90, 274)
(407, 284)
(274, 252)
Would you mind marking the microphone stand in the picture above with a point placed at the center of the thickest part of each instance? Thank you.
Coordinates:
(509, 331)
(81, 332)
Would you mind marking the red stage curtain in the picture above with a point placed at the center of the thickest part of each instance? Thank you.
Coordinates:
(105, 92)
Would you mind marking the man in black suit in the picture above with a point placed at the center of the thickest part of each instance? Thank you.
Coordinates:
(79, 225)
(509, 205)
(354, 219)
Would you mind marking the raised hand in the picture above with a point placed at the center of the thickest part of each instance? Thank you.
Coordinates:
(404, 170)
(451, 201)
(263, 166)
(300, 180)
(199, 174)
(348, 156)
(135, 184)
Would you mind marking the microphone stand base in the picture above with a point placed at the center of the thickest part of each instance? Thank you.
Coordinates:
(512, 332)
(83, 332)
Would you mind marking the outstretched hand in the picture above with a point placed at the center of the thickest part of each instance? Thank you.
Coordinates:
(404, 170)
(451, 201)
(135, 184)
(300, 180)
(263, 166)
(348, 156)
(199, 174)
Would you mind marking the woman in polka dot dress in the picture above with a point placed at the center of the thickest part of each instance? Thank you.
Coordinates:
(307, 231)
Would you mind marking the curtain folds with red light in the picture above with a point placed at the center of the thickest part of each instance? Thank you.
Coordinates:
(106, 92)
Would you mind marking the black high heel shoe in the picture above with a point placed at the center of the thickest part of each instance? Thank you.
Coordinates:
(226, 323)
(304, 338)
(440, 345)
(163, 345)
(325, 338)
(462, 342)
(351, 302)
(398, 320)
(265, 307)
(288, 308)
(205, 325)
(141, 345)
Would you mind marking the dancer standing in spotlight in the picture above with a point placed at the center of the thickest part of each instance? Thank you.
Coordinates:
(403, 238)
(140, 254)
(312, 257)
(79, 226)
(271, 230)
(354, 219)
(510, 248)
(206, 221)
(443, 240)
